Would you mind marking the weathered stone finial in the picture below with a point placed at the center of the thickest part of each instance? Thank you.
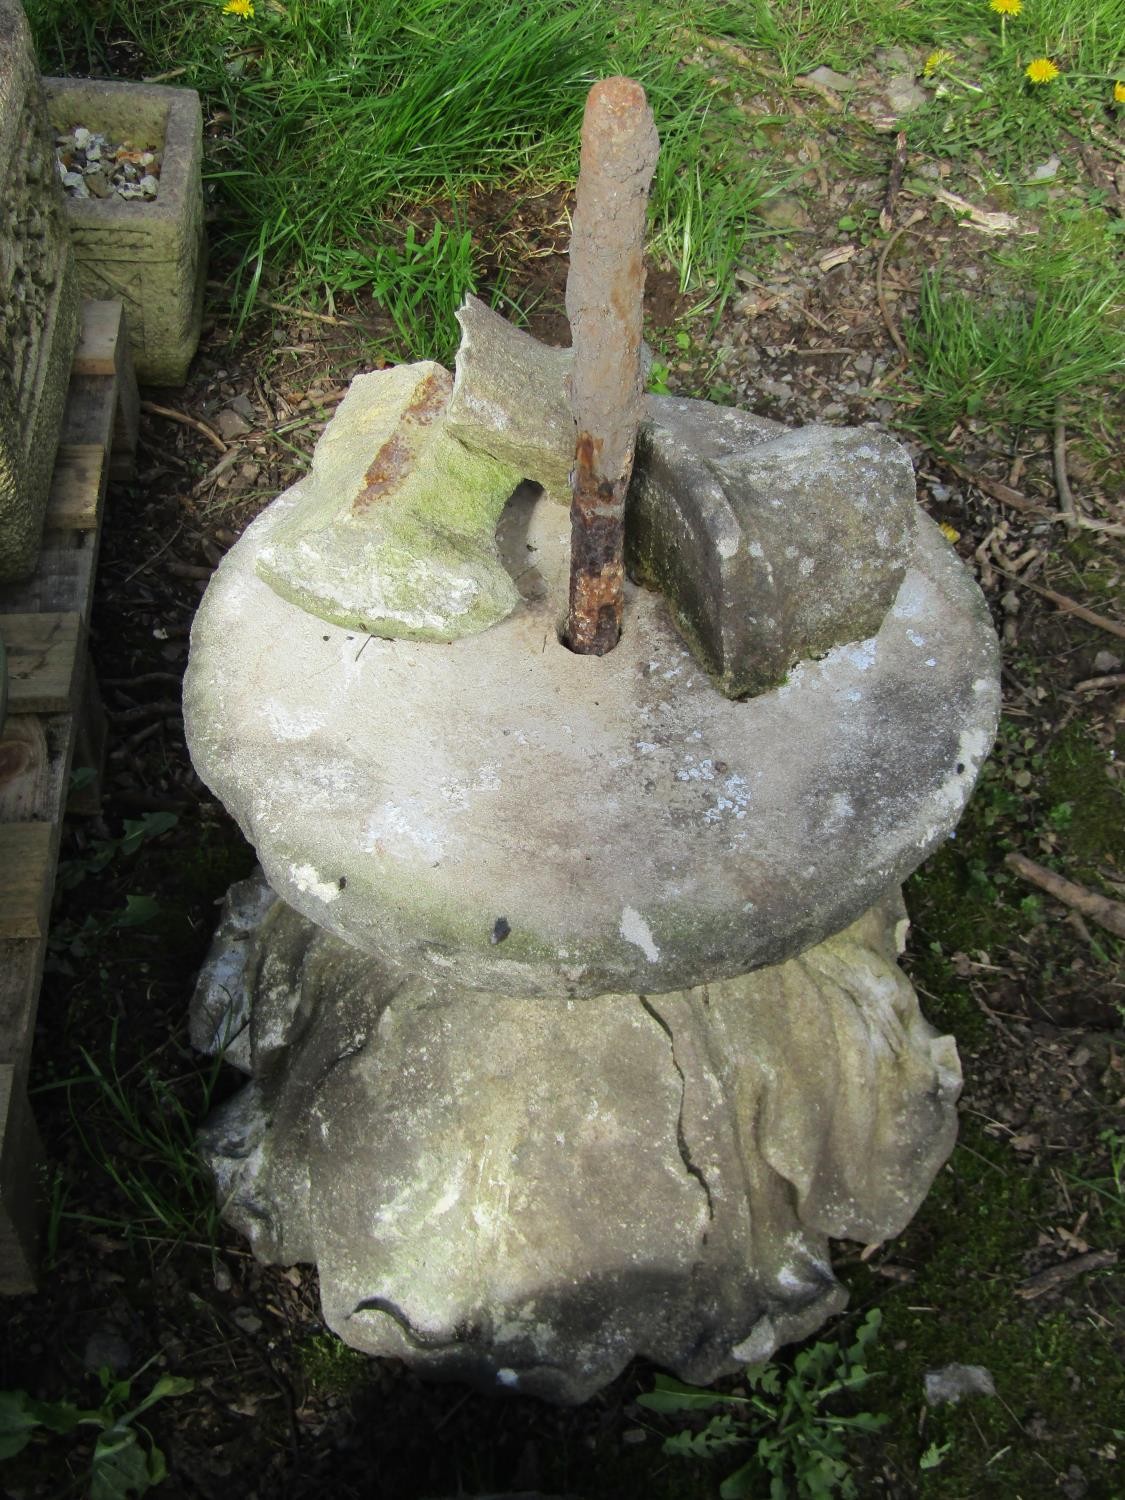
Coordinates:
(604, 302)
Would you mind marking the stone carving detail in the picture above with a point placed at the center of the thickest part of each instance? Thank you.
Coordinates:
(530, 1193)
(38, 300)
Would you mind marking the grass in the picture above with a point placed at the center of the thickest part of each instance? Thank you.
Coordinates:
(1046, 336)
(329, 122)
(135, 1128)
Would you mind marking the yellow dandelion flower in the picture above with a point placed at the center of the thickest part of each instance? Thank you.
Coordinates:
(1006, 7)
(1041, 70)
(1119, 93)
(937, 59)
(950, 533)
(243, 8)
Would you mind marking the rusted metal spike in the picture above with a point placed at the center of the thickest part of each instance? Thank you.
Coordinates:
(604, 302)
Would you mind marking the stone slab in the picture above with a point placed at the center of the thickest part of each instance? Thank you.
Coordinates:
(771, 546)
(38, 300)
(149, 255)
(503, 812)
(527, 1194)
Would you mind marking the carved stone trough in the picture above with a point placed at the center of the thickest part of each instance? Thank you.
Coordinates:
(569, 995)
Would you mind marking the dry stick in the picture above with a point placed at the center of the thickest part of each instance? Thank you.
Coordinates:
(604, 302)
(1062, 483)
(1068, 511)
(1067, 605)
(879, 293)
(894, 183)
(1108, 914)
(185, 421)
(1055, 1276)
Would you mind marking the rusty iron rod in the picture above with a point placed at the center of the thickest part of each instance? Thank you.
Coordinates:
(604, 302)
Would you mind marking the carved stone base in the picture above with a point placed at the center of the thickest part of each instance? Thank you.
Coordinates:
(528, 1193)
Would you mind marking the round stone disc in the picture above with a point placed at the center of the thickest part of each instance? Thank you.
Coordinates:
(503, 813)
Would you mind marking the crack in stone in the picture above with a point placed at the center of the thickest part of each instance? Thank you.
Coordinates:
(681, 1140)
(409, 1332)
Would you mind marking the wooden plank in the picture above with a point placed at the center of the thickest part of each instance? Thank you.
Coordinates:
(91, 403)
(64, 580)
(91, 733)
(44, 661)
(78, 488)
(27, 878)
(21, 1186)
(104, 349)
(35, 796)
(24, 770)
(99, 333)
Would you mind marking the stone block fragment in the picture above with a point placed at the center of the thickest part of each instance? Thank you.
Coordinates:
(770, 546)
(509, 399)
(38, 300)
(150, 255)
(393, 532)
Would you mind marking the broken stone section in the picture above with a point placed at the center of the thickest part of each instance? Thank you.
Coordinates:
(526, 1195)
(510, 399)
(393, 532)
(770, 546)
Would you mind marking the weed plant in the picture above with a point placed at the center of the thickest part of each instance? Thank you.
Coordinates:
(125, 1460)
(135, 1128)
(792, 1422)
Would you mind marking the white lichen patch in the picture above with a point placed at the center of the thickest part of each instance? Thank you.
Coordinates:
(306, 879)
(732, 801)
(394, 823)
(290, 724)
(910, 603)
(634, 929)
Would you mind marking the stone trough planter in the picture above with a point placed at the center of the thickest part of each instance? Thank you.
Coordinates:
(149, 255)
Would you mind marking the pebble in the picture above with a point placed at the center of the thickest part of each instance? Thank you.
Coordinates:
(89, 164)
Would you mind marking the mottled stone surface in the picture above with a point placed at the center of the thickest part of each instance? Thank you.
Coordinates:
(509, 399)
(771, 546)
(526, 1194)
(149, 255)
(38, 300)
(635, 829)
(393, 530)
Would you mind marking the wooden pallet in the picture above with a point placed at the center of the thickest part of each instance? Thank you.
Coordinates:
(52, 707)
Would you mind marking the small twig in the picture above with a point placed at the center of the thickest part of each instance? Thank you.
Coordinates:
(178, 416)
(996, 490)
(230, 457)
(141, 678)
(1099, 684)
(1068, 606)
(1062, 483)
(879, 292)
(187, 570)
(141, 567)
(1108, 914)
(143, 712)
(1054, 1276)
(894, 183)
